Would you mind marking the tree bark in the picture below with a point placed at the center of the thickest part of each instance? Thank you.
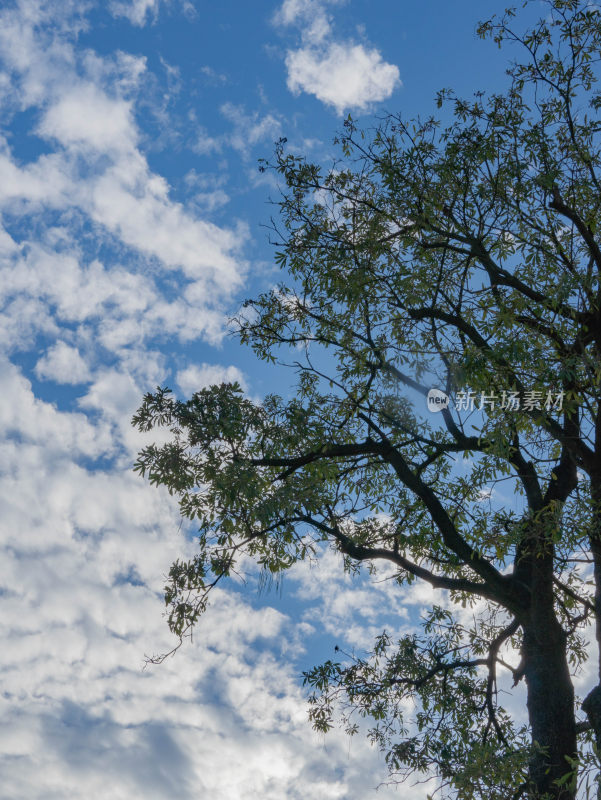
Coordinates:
(550, 709)
(592, 702)
(550, 692)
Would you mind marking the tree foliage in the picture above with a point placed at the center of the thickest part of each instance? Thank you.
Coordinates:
(463, 256)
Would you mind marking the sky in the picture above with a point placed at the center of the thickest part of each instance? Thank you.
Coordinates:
(132, 225)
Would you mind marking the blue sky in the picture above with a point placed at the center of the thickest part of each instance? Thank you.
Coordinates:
(131, 209)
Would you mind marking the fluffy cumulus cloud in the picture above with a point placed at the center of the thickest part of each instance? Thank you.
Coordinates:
(63, 364)
(342, 74)
(96, 173)
(354, 604)
(194, 378)
(345, 76)
(83, 556)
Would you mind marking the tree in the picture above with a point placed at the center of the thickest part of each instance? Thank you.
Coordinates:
(464, 257)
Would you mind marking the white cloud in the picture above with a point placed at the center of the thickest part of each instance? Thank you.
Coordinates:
(206, 144)
(136, 11)
(310, 14)
(350, 607)
(342, 74)
(83, 554)
(207, 190)
(30, 419)
(99, 266)
(194, 378)
(249, 128)
(210, 201)
(97, 167)
(136, 207)
(86, 116)
(63, 364)
(212, 77)
(113, 308)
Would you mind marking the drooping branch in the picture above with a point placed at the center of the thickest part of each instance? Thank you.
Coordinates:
(491, 663)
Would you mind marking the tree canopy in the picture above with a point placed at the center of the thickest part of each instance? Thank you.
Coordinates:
(465, 257)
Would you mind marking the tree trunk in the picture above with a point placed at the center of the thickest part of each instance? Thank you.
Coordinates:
(550, 709)
(592, 702)
(549, 685)
(550, 692)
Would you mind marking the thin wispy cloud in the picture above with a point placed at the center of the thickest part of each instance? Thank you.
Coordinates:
(138, 12)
